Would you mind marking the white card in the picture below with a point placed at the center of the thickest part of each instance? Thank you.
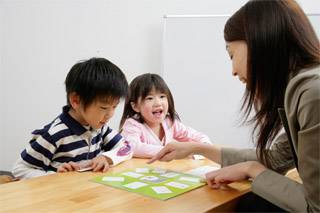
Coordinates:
(198, 157)
(113, 179)
(159, 171)
(191, 179)
(161, 189)
(84, 169)
(132, 174)
(149, 178)
(202, 171)
(135, 185)
(142, 170)
(170, 174)
(177, 185)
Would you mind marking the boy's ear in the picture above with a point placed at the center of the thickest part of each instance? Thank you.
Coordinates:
(74, 100)
(134, 107)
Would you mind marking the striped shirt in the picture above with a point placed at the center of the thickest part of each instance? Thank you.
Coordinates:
(65, 140)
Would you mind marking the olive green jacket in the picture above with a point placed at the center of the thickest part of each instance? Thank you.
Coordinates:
(302, 109)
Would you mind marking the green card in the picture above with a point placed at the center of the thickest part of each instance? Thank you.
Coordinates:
(153, 182)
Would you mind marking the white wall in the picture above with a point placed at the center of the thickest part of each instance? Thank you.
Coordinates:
(41, 39)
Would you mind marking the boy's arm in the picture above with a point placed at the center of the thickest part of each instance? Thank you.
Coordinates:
(23, 170)
(117, 149)
(35, 159)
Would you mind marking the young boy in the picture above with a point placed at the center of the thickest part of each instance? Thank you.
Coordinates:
(79, 137)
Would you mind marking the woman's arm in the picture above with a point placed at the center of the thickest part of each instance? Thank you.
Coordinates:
(176, 150)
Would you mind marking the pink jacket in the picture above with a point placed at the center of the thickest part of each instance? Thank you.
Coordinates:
(146, 144)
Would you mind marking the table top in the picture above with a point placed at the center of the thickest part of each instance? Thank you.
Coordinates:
(74, 191)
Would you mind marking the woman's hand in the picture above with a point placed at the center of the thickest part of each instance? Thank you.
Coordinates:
(174, 150)
(179, 150)
(236, 172)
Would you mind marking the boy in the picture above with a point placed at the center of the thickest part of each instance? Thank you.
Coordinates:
(79, 137)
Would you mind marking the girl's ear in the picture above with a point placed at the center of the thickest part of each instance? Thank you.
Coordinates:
(134, 107)
(74, 100)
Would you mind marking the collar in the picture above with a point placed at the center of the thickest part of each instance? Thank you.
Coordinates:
(73, 124)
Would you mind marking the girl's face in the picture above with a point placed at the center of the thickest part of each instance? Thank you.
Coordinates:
(153, 108)
(238, 51)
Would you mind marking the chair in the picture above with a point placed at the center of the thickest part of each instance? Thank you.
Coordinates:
(6, 177)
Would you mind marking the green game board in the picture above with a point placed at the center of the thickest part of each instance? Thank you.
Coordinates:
(153, 182)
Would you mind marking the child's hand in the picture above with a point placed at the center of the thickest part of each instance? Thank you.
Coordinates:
(100, 163)
(68, 167)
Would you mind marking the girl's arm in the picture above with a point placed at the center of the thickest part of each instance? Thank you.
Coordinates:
(184, 133)
(132, 132)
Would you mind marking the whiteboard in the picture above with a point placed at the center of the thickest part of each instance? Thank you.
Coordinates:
(198, 71)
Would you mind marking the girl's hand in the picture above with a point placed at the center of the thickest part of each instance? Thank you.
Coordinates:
(100, 163)
(68, 167)
(236, 172)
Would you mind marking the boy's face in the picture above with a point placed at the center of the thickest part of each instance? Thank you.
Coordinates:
(97, 114)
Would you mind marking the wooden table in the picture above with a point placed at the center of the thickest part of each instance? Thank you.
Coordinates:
(74, 192)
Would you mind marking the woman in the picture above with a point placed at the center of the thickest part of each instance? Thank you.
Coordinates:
(275, 52)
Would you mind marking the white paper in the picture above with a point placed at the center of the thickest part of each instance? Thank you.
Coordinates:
(84, 169)
(191, 179)
(170, 174)
(177, 185)
(132, 174)
(149, 178)
(142, 170)
(161, 189)
(198, 157)
(113, 179)
(202, 171)
(159, 171)
(135, 185)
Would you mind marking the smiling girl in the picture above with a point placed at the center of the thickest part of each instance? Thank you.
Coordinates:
(149, 120)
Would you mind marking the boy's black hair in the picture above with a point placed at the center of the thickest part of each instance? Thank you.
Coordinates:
(96, 78)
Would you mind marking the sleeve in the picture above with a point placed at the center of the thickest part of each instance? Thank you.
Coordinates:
(281, 157)
(22, 170)
(133, 133)
(280, 154)
(280, 190)
(309, 145)
(36, 159)
(184, 133)
(230, 156)
(284, 192)
(117, 149)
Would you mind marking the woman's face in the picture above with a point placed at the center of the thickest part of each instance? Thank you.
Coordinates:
(238, 51)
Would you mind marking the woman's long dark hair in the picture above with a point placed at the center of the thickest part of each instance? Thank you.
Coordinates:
(281, 41)
(139, 88)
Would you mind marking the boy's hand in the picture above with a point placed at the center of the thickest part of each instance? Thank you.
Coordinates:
(100, 163)
(68, 167)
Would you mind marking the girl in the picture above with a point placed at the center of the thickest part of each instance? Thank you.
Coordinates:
(275, 52)
(149, 120)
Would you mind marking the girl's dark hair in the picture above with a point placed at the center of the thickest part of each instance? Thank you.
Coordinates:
(281, 41)
(140, 87)
(96, 78)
